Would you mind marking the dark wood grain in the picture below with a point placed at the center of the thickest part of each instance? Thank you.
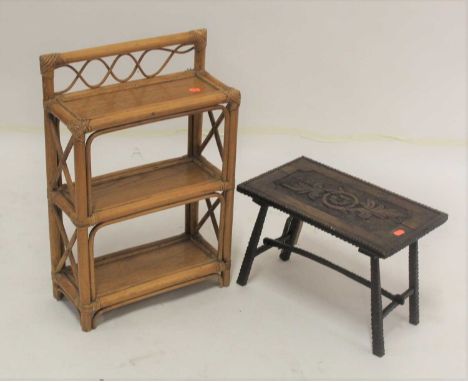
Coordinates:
(350, 208)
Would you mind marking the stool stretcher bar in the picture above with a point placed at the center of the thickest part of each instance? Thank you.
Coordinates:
(397, 299)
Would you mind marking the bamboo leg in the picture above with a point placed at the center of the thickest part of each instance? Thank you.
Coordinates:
(251, 251)
(188, 207)
(86, 320)
(221, 235)
(56, 244)
(293, 228)
(50, 123)
(84, 278)
(414, 284)
(227, 236)
(376, 309)
(231, 129)
(195, 122)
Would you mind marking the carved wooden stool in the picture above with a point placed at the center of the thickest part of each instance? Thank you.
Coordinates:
(380, 223)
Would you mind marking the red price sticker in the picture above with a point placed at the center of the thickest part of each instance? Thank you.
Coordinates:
(194, 90)
(399, 232)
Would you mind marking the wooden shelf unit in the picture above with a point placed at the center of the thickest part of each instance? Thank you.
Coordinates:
(95, 285)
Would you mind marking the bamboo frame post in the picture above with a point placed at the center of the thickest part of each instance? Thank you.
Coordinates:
(227, 212)
(233, 108)
(188, 207)
(51, 156)
(222, 234)
(85, 283)
(84, 276)
(194, 141)
(195, 124)
(56, 243)
(200, 49)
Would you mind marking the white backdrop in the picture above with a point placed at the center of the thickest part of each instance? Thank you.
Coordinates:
(375, 88)
(329, 68)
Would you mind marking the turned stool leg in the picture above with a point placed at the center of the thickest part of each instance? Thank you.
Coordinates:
(414, 284)
(376, 309)
(292, 228)
(252, 247)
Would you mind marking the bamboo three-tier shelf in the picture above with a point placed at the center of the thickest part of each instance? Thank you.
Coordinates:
(106, 282)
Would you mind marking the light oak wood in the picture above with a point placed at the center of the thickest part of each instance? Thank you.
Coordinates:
(95, 110)
(196, 38)
(98, 284)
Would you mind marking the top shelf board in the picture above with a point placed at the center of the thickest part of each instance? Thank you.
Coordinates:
(140, 101)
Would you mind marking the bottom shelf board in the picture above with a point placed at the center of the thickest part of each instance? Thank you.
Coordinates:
(151, 267)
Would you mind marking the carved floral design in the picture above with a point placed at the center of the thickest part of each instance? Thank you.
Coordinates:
(339, 198)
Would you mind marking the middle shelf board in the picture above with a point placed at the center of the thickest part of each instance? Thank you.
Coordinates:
(146, 187)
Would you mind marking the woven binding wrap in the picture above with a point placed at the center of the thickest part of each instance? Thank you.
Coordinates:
(79, 127)
(48, 62)
(200, 39)
(234, 97)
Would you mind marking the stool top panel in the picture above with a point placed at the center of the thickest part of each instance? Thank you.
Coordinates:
(378, 221)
